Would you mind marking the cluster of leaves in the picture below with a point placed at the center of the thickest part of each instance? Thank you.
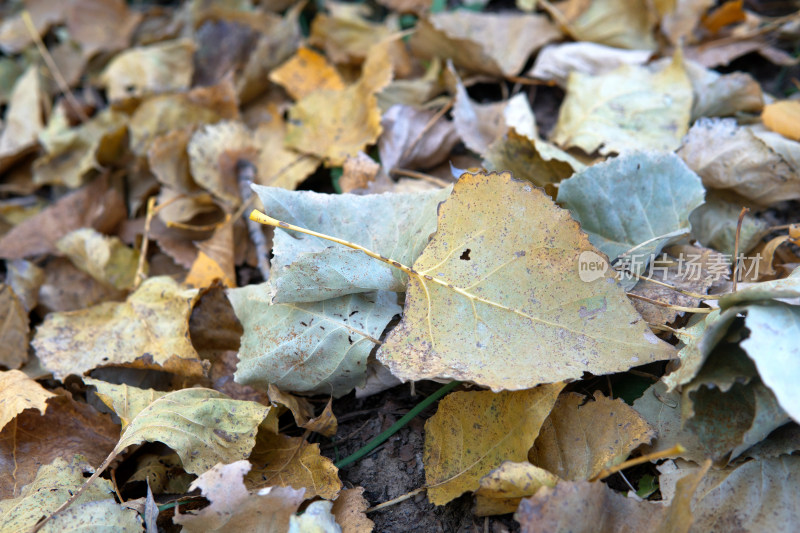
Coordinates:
(129, 143)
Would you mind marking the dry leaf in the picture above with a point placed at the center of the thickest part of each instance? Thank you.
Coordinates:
(96, 205)
(148, 330)
(556, 61)
(14, 329)
(502, 489)
(472, 433)
(101, 25)
(782, 117)
(34, 439)
(511, 311)
(233, 508)
(292, 462)
(349, 510)
(620, 23)
(17, 393)
(156, 68)
(24, 119)
(25, 279)
(306, 72)
(106, 259)
(412, 139)
(579, 439)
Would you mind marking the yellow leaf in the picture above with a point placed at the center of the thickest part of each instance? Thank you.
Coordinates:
(501, 489)
(148, 330)
(472, 433)
(106, 259)
(306, 72)
(349, 510)
(578, 441)
(17, 393)
(292, 462)
(783, 117)
(124, 400)
(496, 297)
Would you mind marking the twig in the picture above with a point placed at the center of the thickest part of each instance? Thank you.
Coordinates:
(670, 306)
(673, 287)
(397, 500)
(246, 175)
(604, 473)
(151, 203)
(51, 64)
(742, 213)
(420, 176)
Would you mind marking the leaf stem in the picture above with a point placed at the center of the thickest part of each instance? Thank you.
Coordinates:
(405, 419)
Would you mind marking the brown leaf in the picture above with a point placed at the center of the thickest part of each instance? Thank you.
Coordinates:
(14, 34)
(284, 461)
(101, 25)
(24, 119)
(306, 72)
(358, 172)
(25, 278)
(578, 440)
(214, 260)
(96, 205)
(66, 288)
(13, 329)
(349, 510)
(17, 393)
(581, 506)
(412, 139)
(66, 428)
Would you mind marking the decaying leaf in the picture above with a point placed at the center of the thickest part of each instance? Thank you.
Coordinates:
(502, 489)
(54, 484)
(284, 461)
(148, 330)
(630, 108)
(233, 508)
(349, 510)
(203, 426)
(106, 259)
(472, 433)
(511, 310)
(581, 506)
(14, 329)
(17, 393)
(579, 439)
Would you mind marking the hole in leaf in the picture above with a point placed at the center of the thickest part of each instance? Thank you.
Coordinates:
(465, 254)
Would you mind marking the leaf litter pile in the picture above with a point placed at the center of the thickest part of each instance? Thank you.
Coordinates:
(522, 267)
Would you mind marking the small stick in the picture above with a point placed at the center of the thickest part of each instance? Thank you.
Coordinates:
(246, 175)
(674, 288)
(151, 203)
(51, 64)
(671, 306)
(675, 450)
(736, 248)
(397, 500)
(420, 176)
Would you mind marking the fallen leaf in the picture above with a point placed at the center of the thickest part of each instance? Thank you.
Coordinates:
(124, 400)
(727, 156)
(578, 440)
(349, 510)
(14, 329)
(320, 347)
(24, 119)
(333, 124)
(215, 260)
(773, 328)
(148, 330)
(729, 12)
(755, 496)
(511, 311)
(14, 34)
(472, 433)
(620, 204)
(96, 515)
(502, 489)
(233, 508)
(413, 138)
(581, 506)
(156, 68)
(346, 36)
(66, 288)
(74, 154)
(66, 428)
(169, 161)
(17, 393)
(358, 172)
(53, 485)
(630, 108)
(292, 462)
(164, 474)
(95, 205)
(307, 269)
(316, 517)
(714, 224)
(783, 441)
(306, 72)
(106, 259)
(463, 37)
(531, 159)
(25, 279)
(781, 117)
(680, 18)
(101, 25)
(722, 95)
(203, 426)
(788, 287)
(555, 61)
(620, 23)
